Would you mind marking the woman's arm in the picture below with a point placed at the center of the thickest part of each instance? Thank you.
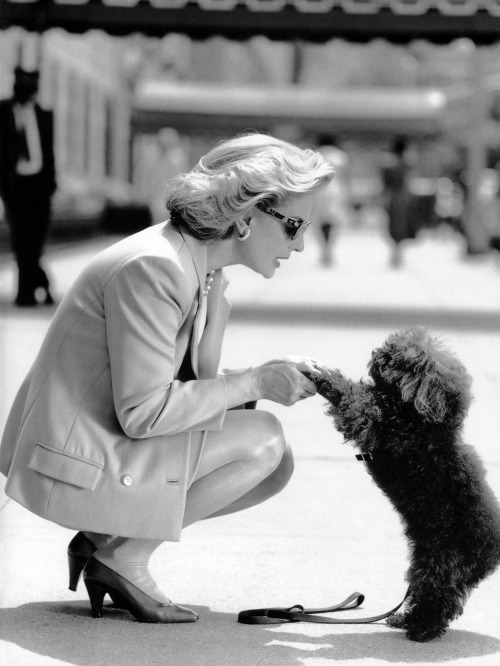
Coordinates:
(144, 304)
(144, 311)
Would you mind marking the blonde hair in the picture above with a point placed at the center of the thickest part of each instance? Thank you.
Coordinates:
(236, 175)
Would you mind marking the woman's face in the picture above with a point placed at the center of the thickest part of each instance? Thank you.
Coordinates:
(269, 243)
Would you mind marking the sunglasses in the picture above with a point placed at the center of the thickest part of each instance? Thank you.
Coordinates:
(292, 225)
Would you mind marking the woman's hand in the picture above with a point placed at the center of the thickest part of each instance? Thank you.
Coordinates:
(302, 363)
(283, 380)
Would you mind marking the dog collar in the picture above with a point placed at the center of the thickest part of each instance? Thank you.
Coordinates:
(364, 457)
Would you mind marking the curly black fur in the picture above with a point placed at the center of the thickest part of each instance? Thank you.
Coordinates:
(409, 416)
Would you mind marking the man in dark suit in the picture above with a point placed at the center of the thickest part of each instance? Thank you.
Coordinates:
(27, 183)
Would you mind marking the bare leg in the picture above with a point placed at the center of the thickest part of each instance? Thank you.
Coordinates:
(99, 540)
(243, 465)
(130, 558)
(270, 486)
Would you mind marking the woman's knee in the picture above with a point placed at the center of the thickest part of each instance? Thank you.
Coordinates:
(269, 447)
(283, 473)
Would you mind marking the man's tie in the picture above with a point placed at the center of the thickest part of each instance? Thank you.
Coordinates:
(30, 150)
(24, 151)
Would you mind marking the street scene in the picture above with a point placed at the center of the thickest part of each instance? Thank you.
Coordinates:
(330, 532)
(339, 164)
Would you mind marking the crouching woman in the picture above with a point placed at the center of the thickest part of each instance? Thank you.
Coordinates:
(124, 428)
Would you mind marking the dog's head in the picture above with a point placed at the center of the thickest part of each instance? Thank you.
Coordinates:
(416, 368)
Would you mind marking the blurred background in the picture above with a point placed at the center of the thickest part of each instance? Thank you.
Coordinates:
(402, 93)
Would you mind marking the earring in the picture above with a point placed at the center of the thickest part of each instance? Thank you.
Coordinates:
(244, 235)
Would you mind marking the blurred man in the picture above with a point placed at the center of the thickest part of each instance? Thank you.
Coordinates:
(27, 183)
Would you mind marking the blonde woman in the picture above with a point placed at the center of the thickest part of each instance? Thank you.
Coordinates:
(124, 428)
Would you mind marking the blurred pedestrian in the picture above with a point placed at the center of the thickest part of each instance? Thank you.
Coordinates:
(489, 195)
(398, 200)
(332, 210)
(124, 428)
(27, 183)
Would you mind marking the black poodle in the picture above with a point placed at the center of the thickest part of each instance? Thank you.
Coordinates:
(407, 424)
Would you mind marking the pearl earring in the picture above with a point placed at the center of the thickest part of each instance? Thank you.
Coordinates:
(244, 235)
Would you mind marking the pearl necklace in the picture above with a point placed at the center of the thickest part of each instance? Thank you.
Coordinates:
(208, 283)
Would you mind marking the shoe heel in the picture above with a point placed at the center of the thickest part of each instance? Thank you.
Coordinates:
(75, 571)
(96, 596)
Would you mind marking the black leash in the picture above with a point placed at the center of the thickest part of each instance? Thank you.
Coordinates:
(298, 613)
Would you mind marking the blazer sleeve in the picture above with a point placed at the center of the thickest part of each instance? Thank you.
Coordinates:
(143, 314)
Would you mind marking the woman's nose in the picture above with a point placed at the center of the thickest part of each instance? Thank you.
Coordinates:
(298, 244)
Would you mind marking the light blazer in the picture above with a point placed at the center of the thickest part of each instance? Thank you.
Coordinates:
(98, 437)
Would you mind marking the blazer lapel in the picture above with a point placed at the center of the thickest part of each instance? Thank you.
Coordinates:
(198, 253)
(218, 308)
(211, 316)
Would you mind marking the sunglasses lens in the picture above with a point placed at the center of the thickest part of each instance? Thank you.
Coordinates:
(293, 227)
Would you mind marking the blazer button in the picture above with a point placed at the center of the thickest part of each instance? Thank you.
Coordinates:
(127, 480)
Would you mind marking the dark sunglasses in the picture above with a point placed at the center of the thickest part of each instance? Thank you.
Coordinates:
(292, 225)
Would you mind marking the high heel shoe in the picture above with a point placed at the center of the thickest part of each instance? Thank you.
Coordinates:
(80, 548)
(100, 580)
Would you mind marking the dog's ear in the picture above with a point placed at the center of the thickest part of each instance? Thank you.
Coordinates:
(433, 399)
(425, 373)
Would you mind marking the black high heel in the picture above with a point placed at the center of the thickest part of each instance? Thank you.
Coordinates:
(80, 548)
(101, 580)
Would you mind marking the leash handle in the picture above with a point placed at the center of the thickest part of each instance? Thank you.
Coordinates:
(298, 613)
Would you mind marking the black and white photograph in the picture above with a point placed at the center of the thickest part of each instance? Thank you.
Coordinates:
(249, 332)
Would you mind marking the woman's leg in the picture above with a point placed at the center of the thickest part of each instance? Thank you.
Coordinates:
(99, 540)
(244, 464)
(270, 486)
(130, 558)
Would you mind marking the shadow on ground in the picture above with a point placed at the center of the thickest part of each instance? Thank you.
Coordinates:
(66, 632)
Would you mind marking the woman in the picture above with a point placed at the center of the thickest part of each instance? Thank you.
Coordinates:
(123, 428)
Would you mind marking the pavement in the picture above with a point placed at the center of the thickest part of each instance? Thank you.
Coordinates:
(330, 532)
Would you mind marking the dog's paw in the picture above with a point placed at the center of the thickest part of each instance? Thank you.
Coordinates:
(397, 621)
(422, 634)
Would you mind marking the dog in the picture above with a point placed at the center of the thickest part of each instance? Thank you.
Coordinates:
(407, 421)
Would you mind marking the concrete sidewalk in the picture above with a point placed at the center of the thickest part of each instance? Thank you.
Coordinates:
(330, 532)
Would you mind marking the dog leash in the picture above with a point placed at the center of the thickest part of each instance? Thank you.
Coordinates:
(298, 613)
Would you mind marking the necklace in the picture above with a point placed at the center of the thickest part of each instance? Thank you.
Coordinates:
(208, 283)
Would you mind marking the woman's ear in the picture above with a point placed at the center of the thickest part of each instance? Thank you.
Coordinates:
(242, 224)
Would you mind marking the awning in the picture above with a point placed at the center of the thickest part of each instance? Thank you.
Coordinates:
(413, 111)
(399, 21)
